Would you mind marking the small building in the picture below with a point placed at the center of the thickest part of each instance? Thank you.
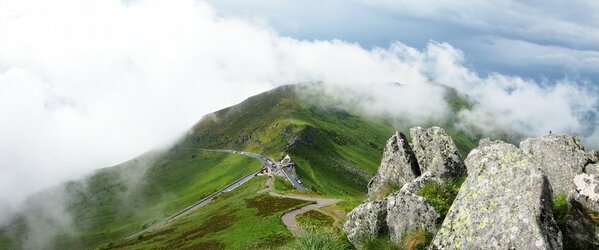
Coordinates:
(288, 163)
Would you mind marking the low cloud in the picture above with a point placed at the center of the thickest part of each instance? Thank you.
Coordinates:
(90, 85)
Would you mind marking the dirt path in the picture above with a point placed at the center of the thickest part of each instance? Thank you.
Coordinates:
(268, 185)
(289, 218)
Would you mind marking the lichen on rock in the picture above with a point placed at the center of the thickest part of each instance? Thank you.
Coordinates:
(436, 152)
(398, 166)
(505, 202)
(366, 221)
(560, 157)
(407, 213)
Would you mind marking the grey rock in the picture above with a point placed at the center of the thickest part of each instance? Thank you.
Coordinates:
(579, 230)
(366, 221)
(592, 169)
(398, 166)
(586, 191)
(414, 186)
(594, 156)
(436, 152)
(505, 203)
(560, 157)
(407, 213)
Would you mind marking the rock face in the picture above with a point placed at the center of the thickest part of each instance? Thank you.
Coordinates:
(408, 212)
(366, 220)
(398, 166)
(586, 191)
(505, 203)
(560, 157)
(436, 152)
(404, 211)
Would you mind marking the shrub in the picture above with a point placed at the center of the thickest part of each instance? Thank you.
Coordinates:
(378, 243)
(316, 240)
(417, 240)
(441, 196)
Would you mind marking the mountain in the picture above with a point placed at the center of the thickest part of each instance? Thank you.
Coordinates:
(336, 150)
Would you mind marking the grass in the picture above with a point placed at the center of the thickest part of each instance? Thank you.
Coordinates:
(314, 220)
(418, 240)
(282, 184)
(268, 205)
(387, 189)
(116, 202)
(229, 221)
(316, 240)
(336, 152)
(441, 196)
(382, 242)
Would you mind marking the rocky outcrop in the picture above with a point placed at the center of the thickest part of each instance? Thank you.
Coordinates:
(405, 211)
(408, 212)
(366, 221)
(504, 203)
(560, 157)
(414, 186)
(586, 191)
(398, 166)
(436, 152)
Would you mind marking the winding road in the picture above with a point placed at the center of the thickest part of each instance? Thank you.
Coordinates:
(205, 201)
(289, 218)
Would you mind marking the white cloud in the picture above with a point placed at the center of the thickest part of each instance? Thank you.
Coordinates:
(90, 84)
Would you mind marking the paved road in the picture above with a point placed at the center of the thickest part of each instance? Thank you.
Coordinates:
(263, 159)
(289, 218)
(205, 201)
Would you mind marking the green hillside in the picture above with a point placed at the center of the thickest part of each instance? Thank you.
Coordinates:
(336, 152)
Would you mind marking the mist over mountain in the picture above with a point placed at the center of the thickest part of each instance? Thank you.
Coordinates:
(85, 86)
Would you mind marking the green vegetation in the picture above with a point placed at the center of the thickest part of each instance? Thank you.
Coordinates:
(418, 240)
(282, 184)
(561, 212)
(314, 220)
(383, 242)
(441, 196)
(119, 201)
(387, 189)
(268, 205)
(564, 211)
(225, 223)
(327, 239)
(335, 149)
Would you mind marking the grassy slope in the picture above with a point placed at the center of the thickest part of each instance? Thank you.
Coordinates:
(336, 152)
(241, 219)
(107, 206)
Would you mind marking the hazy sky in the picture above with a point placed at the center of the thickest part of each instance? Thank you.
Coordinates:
(536, 38)
(90, 84)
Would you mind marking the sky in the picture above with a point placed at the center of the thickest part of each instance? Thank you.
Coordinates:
(90, 84)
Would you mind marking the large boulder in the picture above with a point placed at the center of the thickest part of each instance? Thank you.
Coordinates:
(505, 203)
(398, 166)
(366, 221)
(436, 152)
(586, 191)
(407, 213)
(560, 157)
